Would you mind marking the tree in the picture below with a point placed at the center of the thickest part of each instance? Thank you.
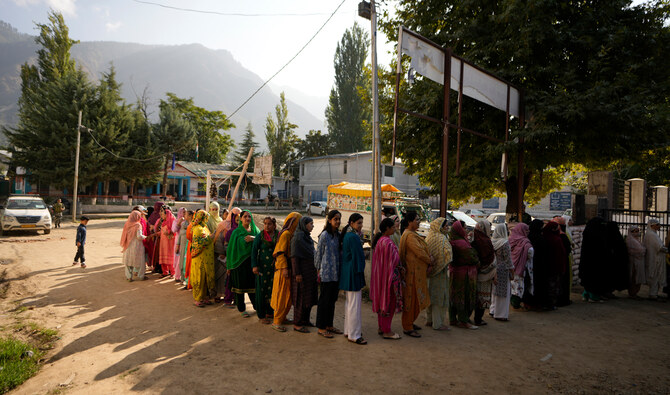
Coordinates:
(314, 144)
(52, 94)
(593, 72)
(173, 134)
(213, 145)
(280, 136)
(348, 114)
(240, 156)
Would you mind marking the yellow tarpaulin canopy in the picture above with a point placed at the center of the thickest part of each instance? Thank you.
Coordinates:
(352, 189)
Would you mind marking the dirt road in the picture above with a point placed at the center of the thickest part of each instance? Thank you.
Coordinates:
(146, 336)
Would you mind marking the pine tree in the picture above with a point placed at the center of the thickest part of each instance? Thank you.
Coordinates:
(240, 156)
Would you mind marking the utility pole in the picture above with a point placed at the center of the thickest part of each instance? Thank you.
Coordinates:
(76, 172)
(368, 11)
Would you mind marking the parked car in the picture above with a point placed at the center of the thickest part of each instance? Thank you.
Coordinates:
(25, 212)
(461, 216)
(476, 214)
(317, 208)
(496, 219)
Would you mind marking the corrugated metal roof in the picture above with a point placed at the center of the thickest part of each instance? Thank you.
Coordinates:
(200, 169)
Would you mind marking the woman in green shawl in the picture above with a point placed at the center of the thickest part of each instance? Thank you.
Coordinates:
(239, 261)
(262, 264)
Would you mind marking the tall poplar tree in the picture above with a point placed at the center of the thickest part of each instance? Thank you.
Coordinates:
(348, 114)
(280, 136)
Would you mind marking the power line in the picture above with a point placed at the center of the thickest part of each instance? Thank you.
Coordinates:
(125, 157)
(287, 63)
(228, 13)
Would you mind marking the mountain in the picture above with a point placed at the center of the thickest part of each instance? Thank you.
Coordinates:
(214, 79)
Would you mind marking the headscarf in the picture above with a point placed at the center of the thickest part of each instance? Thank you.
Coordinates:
(395, 237)
(179, 220)
(438, 246)
(520, 245)
(302, 245)
(234, 223)
(214, 219)
(482, 243)
(155, 215)
(635, 247)
(130, 229)
(284, 242)
(224, 226)
(201, 236)
(499, 236)
(239, 249)
(557, 259)
(457, 237)
(169, 219)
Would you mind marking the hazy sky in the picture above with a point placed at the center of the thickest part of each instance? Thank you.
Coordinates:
(261, 43)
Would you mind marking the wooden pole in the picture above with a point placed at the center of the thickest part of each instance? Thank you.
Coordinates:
(239, 180)
(76, 172)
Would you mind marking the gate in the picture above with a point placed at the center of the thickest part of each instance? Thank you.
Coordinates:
(627, 218)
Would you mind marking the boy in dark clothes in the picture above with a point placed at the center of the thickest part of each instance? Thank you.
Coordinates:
(81, 240)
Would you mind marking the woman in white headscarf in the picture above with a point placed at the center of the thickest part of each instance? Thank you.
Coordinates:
(438, 279)
(636, 252)
(655, 258)
(502, 291)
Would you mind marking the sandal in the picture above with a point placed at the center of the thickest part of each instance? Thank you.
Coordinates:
(416, 327)
(278, 328)
(443, 328)
(207, 301)
(199, 304)
(395, 336)
(412, 333)
(302, 329)
(245, 314)
(360, 341)
(466, 325)
(334, 330)
(325, 334)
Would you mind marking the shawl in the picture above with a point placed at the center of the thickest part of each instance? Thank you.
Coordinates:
(558, 258)
(234, 223)
(239, 249)
(169, 220)
(200, 234)
(499, 236)
(458, 238)
(156, 213)
(214, 218)
(284, 243)
(438, 247)
(635, 248)
(302, 245)
(520, 245)
(385, 280)
(482, 243)
(176, 226)
(224, 226)
(130, 228)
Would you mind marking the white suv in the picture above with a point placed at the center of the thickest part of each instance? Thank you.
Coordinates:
(25, 212)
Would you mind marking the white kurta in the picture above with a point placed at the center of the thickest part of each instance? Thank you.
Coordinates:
(133, 256)
(654, 262)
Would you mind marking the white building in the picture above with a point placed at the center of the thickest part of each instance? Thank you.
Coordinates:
(315, 174)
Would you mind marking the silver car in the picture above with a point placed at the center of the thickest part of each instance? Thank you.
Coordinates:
(25, 212)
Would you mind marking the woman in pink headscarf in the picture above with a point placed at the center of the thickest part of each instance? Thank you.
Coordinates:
(522, 258)
(220, 243)
(131, 244)
(166, 258)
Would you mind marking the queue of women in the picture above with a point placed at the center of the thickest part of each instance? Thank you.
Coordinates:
(455, 275)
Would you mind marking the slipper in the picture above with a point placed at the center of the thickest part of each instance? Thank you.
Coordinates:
(265, 321)
(334, 330)
(466, 325)
(394, 337)
(416, 327)
(325, 334)
(278, 328)
(207, 301)
(245, 314)
(360, 341)
(301, 330)
(412, 333)
(443, 328)
(199, 304)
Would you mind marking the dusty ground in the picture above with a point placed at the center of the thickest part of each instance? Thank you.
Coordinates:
(146, 336)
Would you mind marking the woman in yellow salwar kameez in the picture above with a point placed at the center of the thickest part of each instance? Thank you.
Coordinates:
(281, 285)
(202, 260)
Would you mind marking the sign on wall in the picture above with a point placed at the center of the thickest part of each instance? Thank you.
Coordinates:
(560, 201)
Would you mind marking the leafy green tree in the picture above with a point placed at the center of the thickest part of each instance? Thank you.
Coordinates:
(52, 93)
(348, 114)
(314, 144)
(594, 75)
(280, 136)
(173, 134)
(240, 156)
(213, 145)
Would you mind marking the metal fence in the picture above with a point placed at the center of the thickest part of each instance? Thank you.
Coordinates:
(628, 218)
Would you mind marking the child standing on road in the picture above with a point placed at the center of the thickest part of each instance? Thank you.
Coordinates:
(81, 240)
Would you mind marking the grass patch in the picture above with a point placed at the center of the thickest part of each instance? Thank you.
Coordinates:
(18, 362)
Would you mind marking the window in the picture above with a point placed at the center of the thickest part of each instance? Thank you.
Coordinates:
(345, 167)
(388, 171)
